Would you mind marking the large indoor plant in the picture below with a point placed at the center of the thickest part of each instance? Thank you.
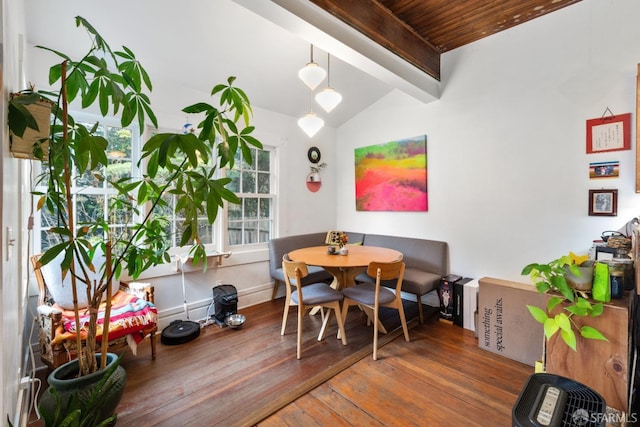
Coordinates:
(551, 278)
(174, 163)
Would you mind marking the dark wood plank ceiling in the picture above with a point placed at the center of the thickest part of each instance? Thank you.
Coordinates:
(420, 30)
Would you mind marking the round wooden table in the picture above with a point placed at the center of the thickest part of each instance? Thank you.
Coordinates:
(345, 268)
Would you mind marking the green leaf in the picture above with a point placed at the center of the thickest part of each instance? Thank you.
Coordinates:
(578, 311)
(55, 72)
(53, 252)
(539, 314)
(152, 164)
(597, 309)
(550, 328)
(583, 303)
(563, 321)
(199, 107)
(90, 97)
(569, 337)
(592, 333)
(553, 302)
(20, 118)
(560, 283)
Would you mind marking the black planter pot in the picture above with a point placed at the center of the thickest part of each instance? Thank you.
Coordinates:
(96, 396)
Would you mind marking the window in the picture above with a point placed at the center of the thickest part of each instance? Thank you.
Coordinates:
(247, 223)
(251, 222)
(92, 196)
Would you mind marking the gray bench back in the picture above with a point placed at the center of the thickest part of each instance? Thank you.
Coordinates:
(283, 245)
(428, 255)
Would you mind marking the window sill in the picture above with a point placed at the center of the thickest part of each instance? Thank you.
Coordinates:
(174, 267)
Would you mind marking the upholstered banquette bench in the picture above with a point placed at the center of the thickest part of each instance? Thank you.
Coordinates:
(281, 246)
(426, 261)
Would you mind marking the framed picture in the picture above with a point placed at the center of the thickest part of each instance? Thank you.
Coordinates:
(603, 202)
(392, 176)
(609, 133)
(604, 170)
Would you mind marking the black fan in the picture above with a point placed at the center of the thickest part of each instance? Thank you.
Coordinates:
(551, 400)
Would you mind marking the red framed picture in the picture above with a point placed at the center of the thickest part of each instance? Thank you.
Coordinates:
(609, 133)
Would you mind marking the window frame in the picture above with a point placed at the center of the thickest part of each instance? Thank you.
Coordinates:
(272, 195)
(220, 240)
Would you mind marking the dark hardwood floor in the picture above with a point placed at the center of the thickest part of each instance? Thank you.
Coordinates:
(439, 378)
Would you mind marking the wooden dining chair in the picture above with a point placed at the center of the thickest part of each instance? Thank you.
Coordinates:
(372, 296)
(307, 297)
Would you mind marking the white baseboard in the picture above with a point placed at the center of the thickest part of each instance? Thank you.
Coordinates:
(198, 309)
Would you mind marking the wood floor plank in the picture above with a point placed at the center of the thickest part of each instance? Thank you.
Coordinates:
(440, 378)
(331, 400)
(451, 380)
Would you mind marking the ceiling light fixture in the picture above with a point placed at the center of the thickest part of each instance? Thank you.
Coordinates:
(328, 98)
(312, 74)
(310, 123)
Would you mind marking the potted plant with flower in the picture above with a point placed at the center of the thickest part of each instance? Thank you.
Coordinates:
(343, 239)
(176, 164)
(551, 278)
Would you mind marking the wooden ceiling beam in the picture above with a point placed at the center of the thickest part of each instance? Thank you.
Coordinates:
(375, 21)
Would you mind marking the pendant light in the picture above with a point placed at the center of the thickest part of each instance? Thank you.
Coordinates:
(312, 74)
(310, 123)
(328, 98)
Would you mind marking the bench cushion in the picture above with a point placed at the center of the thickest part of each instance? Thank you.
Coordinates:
(415, 281)
(316, 274)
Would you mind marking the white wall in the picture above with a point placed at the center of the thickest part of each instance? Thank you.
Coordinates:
(508, 173)
(13, 285)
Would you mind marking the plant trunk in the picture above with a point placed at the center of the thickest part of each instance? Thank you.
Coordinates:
(83, 360)
(107, 310)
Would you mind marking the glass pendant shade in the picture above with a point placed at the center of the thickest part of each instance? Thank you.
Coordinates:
(311, 123)
(328, 98)
(312, 75)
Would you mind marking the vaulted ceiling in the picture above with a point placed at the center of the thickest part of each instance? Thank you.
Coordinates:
(420, 30)
(376, 46)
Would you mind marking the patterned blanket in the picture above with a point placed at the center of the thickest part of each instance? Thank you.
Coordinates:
(129, 316)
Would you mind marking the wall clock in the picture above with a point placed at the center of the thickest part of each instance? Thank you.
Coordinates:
(313, 154)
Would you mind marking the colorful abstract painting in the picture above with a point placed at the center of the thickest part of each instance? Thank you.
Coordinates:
(392, 176)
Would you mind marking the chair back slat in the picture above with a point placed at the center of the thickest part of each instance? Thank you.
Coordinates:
(387, 271)
(294, 272)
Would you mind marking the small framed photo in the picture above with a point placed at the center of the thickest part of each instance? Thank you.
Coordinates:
(603, 202)
(604, 170)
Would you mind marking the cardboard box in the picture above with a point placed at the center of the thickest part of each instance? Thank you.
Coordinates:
(504, 324)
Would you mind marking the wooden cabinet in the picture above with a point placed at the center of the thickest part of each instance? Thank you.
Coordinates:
(603, 366)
